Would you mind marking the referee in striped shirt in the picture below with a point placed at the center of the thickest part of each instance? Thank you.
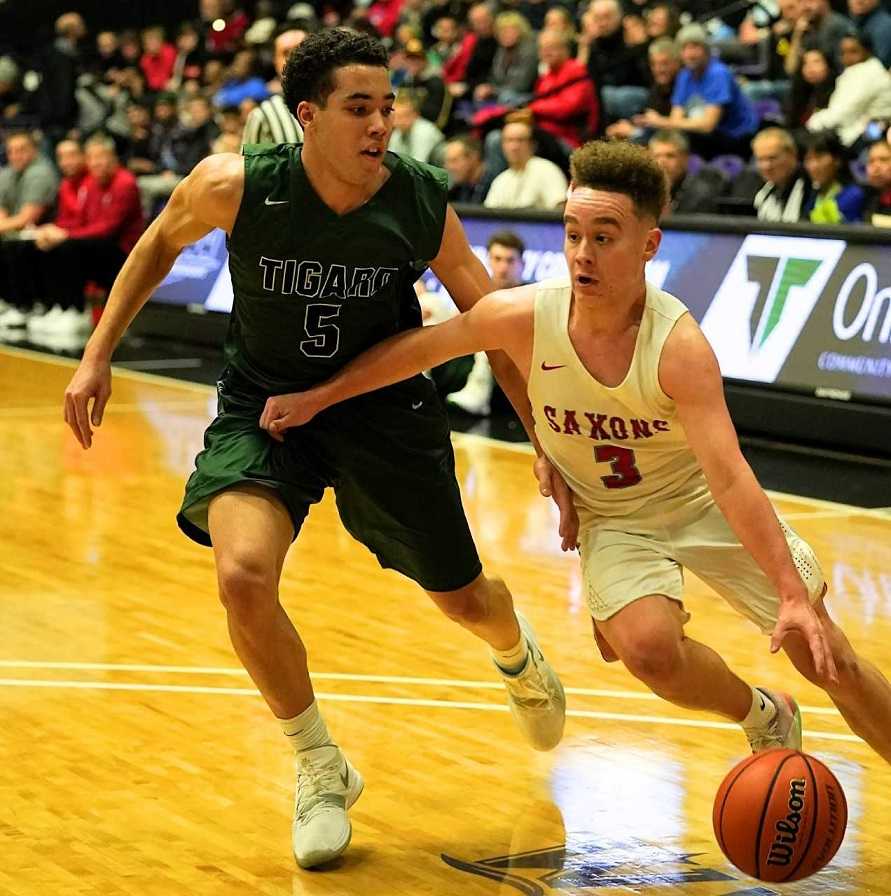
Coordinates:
(271, 122)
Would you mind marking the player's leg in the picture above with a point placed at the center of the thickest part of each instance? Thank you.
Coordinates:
(862, 694)
(251, 530)
(634, 586)
(485, 607)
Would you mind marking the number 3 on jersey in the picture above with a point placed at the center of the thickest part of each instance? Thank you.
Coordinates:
(324, 337)
(621, 461)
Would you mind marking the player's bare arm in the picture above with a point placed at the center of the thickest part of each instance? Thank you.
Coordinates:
(498, 320)
(209, 197)
(690, 376)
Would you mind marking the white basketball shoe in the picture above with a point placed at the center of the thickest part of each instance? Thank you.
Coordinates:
(327, 785)
(784, 730)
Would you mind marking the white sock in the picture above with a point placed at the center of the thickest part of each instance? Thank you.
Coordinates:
(306, 731)
(513, 659)
(762, 712)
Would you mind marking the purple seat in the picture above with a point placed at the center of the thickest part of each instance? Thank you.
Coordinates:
(694, 163)
(769, 109)
(729, 165)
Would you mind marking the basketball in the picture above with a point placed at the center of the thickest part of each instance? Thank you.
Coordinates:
(780, 816)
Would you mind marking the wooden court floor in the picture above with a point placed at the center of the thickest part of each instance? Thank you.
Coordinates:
(136, 758)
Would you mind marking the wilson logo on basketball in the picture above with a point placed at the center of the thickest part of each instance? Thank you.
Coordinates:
(787, 828)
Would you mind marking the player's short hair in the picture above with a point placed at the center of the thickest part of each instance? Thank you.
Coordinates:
(309, 71)
(508, 239)
(619, 167)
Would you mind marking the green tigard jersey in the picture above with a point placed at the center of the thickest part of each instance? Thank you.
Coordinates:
(312, 288)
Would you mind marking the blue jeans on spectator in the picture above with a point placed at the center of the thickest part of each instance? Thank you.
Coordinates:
(623, 102)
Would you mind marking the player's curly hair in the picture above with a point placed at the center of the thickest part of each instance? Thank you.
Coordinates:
(620, 167)
(309, 71)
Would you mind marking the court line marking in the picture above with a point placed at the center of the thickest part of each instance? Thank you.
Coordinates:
(392, 701)
(459, 437)
(232, 671)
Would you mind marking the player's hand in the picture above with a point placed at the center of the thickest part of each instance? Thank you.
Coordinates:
(91, 382)
(283, 412)
(552, 485)
(799, 617)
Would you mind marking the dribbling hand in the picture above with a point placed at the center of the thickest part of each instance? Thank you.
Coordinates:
(91, 382)
(283, 412)
(552, 485)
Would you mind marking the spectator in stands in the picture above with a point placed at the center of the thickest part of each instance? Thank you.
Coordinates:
(560, 19)
(59, 65)
(515, 66)
(787, 188)
(94, 246)
(108, 56)
(412, 135)
(28, 184)
(468, 177)
(139, 145)
(662, 21)
(505, 254)
(241, 82)
(875, 23)
(158, 59)
(530, 181)
(619, 71)
(186, 144)
(665, 63)
(564, 102)
(189, 57)
(453, 48)
(835, 200)
(424, 86)
(482, 23)
(272, 121)
(707, 103)
(771, 38)
(224, 26)
(817, 26)
(862, 93)
(689, 193)
(877, 209)
(811, 87)
(19, 259)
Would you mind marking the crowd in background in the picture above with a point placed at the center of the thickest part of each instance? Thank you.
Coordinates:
(777, 109)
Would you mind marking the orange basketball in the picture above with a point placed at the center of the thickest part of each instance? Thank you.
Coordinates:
(780, 816)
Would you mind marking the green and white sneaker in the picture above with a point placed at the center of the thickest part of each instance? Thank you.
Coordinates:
(535, 695)
(327, 785)
(784, 730)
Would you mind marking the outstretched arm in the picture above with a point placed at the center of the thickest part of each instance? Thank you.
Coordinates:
(209, 197)
(487, 325)
(689, 374)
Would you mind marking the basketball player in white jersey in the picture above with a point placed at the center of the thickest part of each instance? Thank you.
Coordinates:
(629, 407)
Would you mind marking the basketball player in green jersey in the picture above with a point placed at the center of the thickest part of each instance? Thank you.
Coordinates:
(629, 406)
(326, 240)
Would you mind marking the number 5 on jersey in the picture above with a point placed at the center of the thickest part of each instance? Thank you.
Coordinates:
(324, 337)
(621, 461)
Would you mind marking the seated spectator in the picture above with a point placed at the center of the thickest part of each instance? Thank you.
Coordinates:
(108, 56)
(560, 19)
(877, 209)
(241, 82)
(95, 245)
(482, 23)
(469, 180)
(423, 85)
(665, 63)
(272, 121)
(689, 193)
(158, 59)
(875, 23)
(769, 36)
(515, 66)
(619, 71)
(707, 103)
(530, 181)
(564, 102)
(862, 93)
(19, 260)
(189, 57)
(225, 40)
(835, 200)
(184, 145)
(817, 27)
(787, 189)
(812, 86)
(138, 145)
(412, 135)
(453, 48)
(662, 21)
(28, 184)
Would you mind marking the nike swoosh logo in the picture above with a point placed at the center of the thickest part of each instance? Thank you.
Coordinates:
(551, 366)
(763, 704)
(416, 405)
(345, 778)
(276, 201)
